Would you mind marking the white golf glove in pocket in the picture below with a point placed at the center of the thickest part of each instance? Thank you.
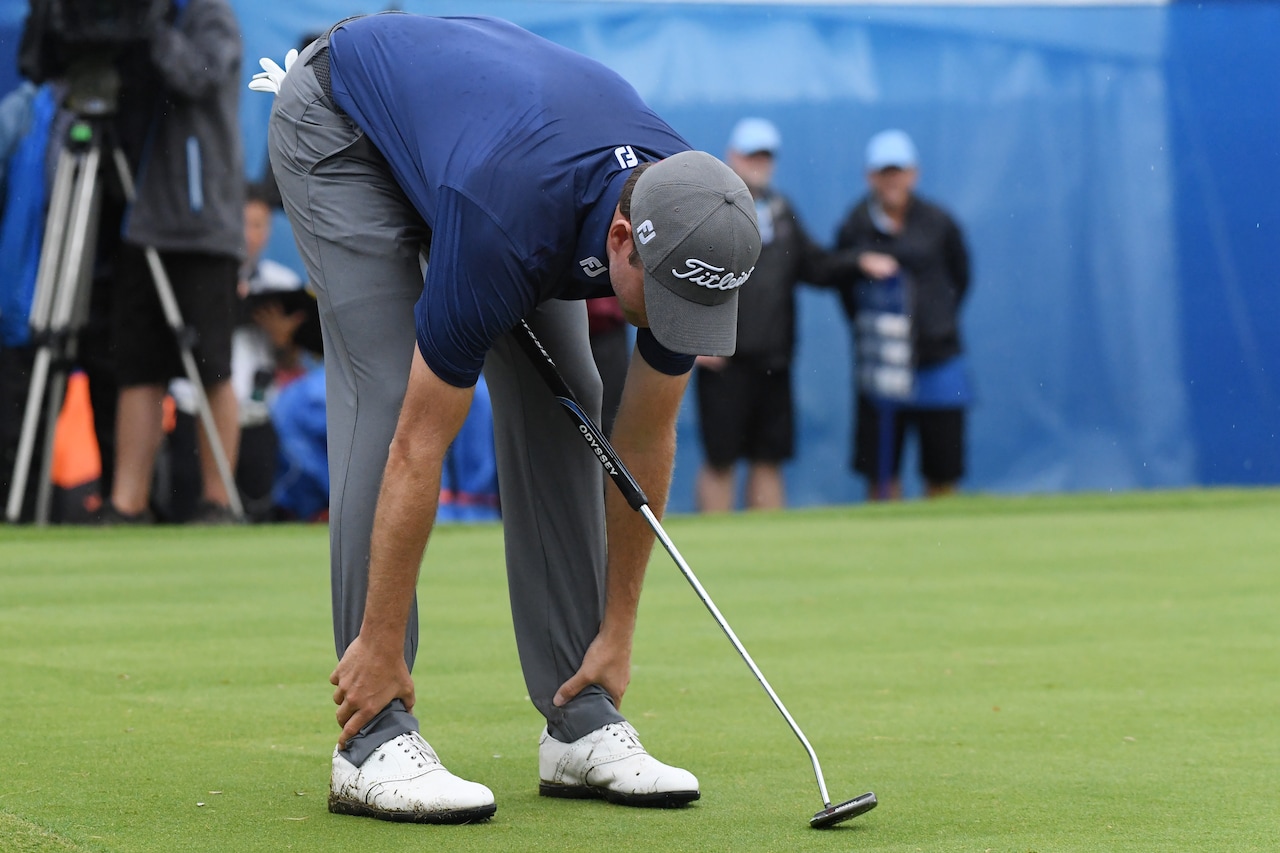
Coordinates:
(272, 75)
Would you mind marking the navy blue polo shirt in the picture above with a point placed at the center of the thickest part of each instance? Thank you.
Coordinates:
(514, 150)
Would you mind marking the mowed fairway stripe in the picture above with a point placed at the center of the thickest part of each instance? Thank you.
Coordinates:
(25, 837)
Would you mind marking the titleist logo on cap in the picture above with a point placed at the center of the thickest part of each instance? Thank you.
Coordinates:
(711, 276)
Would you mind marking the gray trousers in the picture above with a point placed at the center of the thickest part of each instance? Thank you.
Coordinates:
(361, 240)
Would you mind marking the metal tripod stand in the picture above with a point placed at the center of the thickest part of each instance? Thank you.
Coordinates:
(60, 303)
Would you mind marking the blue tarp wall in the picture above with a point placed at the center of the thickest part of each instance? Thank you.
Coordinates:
(1116, 169)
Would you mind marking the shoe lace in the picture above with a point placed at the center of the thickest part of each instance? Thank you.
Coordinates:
(417, 748)
(626, 735)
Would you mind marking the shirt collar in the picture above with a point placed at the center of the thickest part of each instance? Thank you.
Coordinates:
(590, 261)
(881, 220)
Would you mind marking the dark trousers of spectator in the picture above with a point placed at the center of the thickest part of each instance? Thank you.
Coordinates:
(612, 353)
(178, 487)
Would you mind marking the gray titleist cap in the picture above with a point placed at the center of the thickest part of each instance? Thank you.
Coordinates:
(695, 228)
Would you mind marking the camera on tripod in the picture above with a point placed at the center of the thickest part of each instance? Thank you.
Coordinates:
(105, 23)
(78, 41)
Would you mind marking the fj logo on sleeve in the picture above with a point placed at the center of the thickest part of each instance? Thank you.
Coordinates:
(646, 232)
(592, 266)
(626, 157)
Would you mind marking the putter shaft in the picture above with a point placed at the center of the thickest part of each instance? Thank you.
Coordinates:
(737, 644)
(635, 497)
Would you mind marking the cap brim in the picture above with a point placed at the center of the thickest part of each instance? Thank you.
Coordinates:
(688, 327)
(892, 164)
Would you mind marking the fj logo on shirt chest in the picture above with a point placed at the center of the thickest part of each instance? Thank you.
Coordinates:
(592, 266)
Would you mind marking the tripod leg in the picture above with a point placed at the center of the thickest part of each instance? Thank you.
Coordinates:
(53, 245)
(27, 438)
(71, 310)
(61, 273)
(47, 274)
(174, 318)
(53, 408)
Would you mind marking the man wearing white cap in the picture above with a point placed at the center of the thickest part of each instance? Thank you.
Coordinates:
(745, 410)
(903, 240)
(534, 178)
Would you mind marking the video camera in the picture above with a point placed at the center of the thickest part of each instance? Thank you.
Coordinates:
(99, 23)
(62, 33)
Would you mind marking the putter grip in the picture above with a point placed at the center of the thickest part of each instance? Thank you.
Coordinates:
(600, 447)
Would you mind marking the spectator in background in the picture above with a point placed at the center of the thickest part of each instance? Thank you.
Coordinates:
(469, 477)
(905, 242)
(17, 110)
(744, 400)
(26, 116)
(301, 488)
(281, 471)
(276, 340)
(179, 128)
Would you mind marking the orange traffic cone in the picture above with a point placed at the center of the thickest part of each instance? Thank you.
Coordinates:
(76, 470)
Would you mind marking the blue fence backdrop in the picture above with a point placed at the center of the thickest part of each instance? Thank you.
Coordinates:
(1116, 169)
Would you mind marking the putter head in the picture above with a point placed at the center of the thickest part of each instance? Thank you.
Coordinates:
(832, 815)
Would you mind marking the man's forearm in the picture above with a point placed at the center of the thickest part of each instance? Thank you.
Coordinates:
(430, 417)
(631, 539)
(406, 512)
(645, 439)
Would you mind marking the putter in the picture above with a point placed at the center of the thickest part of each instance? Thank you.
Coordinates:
(829, 815)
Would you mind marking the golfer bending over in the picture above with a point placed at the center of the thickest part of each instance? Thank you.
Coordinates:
(529, 178)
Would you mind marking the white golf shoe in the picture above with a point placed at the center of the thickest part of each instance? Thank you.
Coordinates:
(611, 763)
(403, 780)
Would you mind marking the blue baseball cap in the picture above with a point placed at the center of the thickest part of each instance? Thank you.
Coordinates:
(891, 149)
(755, 136)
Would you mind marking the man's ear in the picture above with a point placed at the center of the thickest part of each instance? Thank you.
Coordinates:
(620, 242)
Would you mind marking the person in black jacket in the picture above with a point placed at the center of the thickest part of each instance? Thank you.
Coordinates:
(904, 241)
(744, 401)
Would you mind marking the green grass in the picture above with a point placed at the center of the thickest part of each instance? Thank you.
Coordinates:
(1051, 674)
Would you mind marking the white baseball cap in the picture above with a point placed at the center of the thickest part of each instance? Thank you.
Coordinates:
(755, 136)
(891, 149)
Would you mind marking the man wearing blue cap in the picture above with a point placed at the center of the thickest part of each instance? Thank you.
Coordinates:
(745, 408)
(906, 244)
